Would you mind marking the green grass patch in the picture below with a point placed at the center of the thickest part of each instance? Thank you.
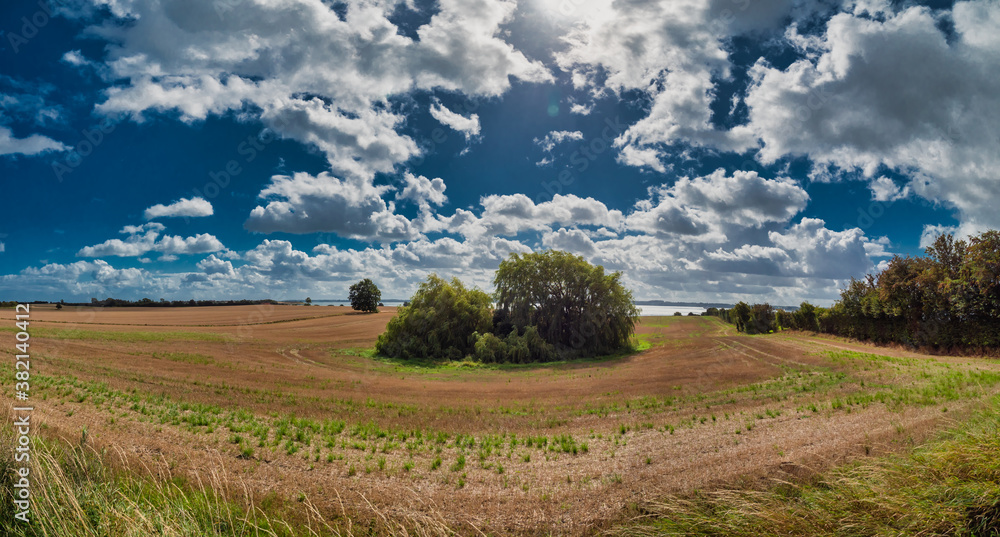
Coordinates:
(185, 357)
(75, 494)
(642, 342)
(662, 321)
(855, 357)
(400, 365)
(121, 337)
(950, 486)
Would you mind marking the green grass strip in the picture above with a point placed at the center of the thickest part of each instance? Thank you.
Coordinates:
(950, 486)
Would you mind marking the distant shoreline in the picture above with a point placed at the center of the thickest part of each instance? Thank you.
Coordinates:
(346, 302)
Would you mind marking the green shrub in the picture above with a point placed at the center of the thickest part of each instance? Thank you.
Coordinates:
(490, 349)
(525, 348)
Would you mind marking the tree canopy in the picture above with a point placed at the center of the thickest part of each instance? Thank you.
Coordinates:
(572, 304)
(947, 300)
(546, 306)
(441, 322)
(365, 296)
(755, 319)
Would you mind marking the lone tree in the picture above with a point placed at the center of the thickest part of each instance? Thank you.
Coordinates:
(309, 301)
(574, 305)
(365, 296)
(440, 322)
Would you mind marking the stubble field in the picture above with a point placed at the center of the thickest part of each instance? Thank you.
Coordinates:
(289, 404)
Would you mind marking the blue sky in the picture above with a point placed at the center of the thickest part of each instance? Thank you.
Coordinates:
(714, 151)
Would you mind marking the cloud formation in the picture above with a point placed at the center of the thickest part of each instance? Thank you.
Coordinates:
(469, 126)
(193, 207)
(423, 191)
(33, 144)
(879, 85)
(902, 97)
(894, 91)
(149, 238)
(326, 85)
(706, 207)
(734, 235)
(304, 203)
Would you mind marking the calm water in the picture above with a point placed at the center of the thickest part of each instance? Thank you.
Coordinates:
(348, 303)
(653, 311)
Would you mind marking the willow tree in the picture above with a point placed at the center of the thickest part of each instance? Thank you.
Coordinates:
(441, 322)
(574, 305)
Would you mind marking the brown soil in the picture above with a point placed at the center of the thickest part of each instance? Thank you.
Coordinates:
(209, 316)
(301, 360)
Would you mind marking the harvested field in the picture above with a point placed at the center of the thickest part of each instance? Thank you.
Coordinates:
(290, 401)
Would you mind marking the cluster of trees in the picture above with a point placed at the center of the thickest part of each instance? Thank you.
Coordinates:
(546, 306)
(948, 300)
(764, 319)
(755, 319)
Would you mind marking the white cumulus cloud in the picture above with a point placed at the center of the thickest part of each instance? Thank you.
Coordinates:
(469, 126)
(304, 203)
(553, 138)
(894, 91)
(183, 207)
(327, 84)
(33, 144)
(148, 238)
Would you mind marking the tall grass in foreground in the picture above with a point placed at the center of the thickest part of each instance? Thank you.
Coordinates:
(77, 491)
(950, 486)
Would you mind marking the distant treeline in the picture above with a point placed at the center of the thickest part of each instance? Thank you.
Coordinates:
(680, 304)
(148, 303)
(763, 318)
(947, 301)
